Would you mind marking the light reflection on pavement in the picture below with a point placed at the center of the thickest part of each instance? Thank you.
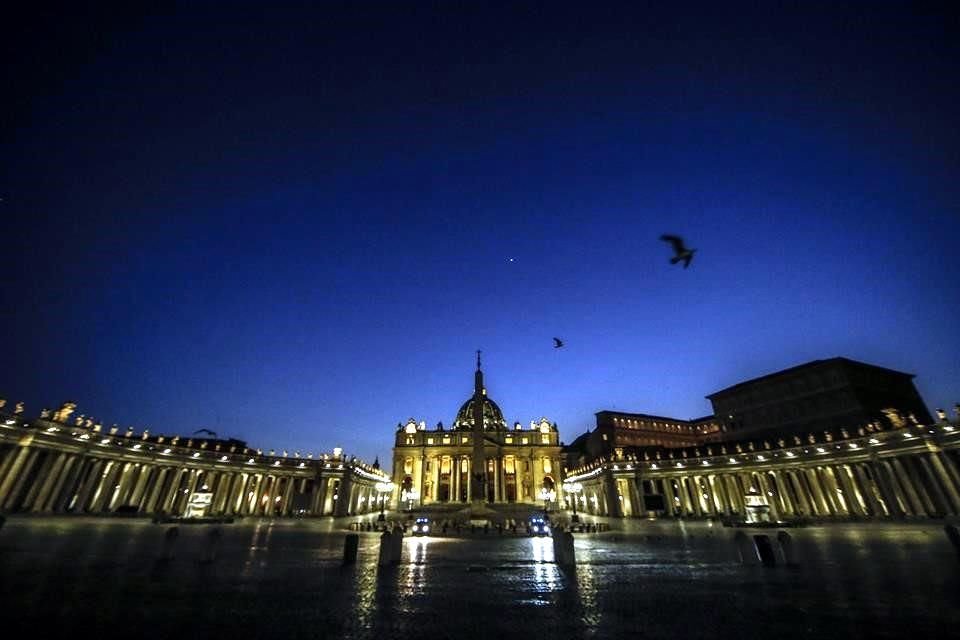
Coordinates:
(284, 578)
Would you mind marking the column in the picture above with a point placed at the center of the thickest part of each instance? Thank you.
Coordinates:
(60, 493)
(856, 504)
(48, 479)
(949, 477)
(837, 499)
(875, 502)
(948, 487)
(898, 491)
(153, 495)
(813, 481)
(781, 487)
(906, 481)
(96, 503)
(288, 496)
(16, 477)
(669, 497)
(87, 479)
(148, 472)
(802, 495)
(769, 495)
(455, 478)
(936, 487)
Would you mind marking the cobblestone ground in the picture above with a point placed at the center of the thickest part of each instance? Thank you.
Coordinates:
(72, 577)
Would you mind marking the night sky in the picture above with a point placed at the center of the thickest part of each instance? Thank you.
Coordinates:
(295, 226)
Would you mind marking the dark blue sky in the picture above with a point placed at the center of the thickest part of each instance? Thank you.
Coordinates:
(294, 226)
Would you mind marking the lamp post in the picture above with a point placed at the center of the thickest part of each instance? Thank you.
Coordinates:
(385, 488)
(573, 488)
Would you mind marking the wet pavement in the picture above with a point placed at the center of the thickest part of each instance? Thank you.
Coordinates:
(71, 576)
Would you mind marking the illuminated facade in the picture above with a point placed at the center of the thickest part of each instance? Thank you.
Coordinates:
(875, 472)
(57, 465)
(480, 459)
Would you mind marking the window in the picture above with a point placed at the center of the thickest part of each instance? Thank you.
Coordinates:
(545, 438)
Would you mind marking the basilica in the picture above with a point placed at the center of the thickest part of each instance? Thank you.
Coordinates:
(479, 459)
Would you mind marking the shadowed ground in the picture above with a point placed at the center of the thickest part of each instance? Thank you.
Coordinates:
(65, 576)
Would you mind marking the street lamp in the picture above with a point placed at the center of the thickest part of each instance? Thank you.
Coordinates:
(385, 488)
(547, 495)
(573, 488)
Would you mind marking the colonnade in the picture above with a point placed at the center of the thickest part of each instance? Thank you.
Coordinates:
(60, 471)
(897, 474)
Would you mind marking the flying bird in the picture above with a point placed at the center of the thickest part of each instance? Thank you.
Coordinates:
(212, 433)
(557, 343)
(680, 252)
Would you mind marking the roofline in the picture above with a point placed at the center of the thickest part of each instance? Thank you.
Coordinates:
(812, 363)
(642, 415)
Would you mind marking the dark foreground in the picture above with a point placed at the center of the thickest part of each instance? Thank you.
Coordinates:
(74, 577)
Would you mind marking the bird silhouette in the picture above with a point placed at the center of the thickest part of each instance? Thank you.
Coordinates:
(212, 433)
(557, 343)
(680, 251)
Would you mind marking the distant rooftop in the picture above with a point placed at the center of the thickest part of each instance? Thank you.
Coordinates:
(809, 365)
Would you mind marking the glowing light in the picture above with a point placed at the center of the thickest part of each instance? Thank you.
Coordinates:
(733, 461)
(791, 454)
(821, 450)
(874, 441)
(250, 461)
(705, 463)
(166, 450)
(196, 454)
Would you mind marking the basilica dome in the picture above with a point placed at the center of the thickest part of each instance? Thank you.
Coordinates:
(492, 416)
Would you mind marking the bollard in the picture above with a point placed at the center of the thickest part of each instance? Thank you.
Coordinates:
(563, 551)
(386, 549)
(169, 538)
(350, 546)
(213, 543)
(397, 546)
(954, 536)
(765, 550)
(745, 548)
(787, 551)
